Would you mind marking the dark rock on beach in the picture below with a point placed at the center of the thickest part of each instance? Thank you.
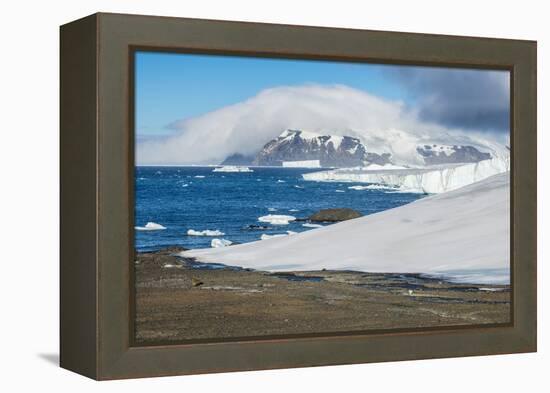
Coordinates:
(232, 302)
(334, 215)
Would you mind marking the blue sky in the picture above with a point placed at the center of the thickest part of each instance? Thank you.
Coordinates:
(172, 87)
(177, 86)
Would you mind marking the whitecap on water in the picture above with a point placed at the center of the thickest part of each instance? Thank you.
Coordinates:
(206, 232)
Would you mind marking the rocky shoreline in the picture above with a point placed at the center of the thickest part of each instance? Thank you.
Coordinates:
(179, 299)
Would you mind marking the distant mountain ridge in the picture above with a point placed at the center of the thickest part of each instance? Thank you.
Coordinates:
(348, 151)
(329, 150)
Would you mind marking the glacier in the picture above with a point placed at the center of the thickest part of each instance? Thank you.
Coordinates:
(463, 234)
(429, 179)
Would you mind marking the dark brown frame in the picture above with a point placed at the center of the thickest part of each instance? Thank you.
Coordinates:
(97, 194)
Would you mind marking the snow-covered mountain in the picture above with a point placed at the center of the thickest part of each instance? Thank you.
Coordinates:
(359, 149)
(434, 154)
(329, 150)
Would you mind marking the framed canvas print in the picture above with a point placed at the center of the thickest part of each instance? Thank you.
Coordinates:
(240, 196)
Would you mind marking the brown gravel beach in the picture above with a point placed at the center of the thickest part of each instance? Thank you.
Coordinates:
(178, 299)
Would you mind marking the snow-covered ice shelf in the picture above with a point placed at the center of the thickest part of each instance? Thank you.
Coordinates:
(466, 230)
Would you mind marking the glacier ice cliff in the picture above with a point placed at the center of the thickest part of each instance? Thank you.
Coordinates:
(430, 179)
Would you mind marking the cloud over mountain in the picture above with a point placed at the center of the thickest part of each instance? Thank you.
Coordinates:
(336, 109)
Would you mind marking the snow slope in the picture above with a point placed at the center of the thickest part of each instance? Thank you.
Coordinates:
(431, 180)
(466, 230)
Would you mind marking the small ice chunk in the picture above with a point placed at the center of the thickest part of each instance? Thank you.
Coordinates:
(288, 233)
(217, 243)
(372, 187)
(265, 237)
(277, 219)
(151, 226)
(309, 225)
(199, 177)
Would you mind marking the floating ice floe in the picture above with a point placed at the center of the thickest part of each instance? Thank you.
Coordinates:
(309, 225)
(265, 236)
(294, 210)
(271, 209)
(217, 243)
(232, 168)
(281, 181)
(277, 219)
(199, 177)
(151, 226)
(373, 187)
(206, 232)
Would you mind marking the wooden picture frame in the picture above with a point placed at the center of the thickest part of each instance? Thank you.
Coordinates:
(97, 194)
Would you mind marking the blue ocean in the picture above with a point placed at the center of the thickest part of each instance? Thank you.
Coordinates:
(196, 198)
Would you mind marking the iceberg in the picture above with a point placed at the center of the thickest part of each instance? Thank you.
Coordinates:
(429, 179)
(206, 232)
(151, 226)
(461, 232)
(302, 164)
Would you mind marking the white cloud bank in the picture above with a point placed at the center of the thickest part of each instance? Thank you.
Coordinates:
(383, 125)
